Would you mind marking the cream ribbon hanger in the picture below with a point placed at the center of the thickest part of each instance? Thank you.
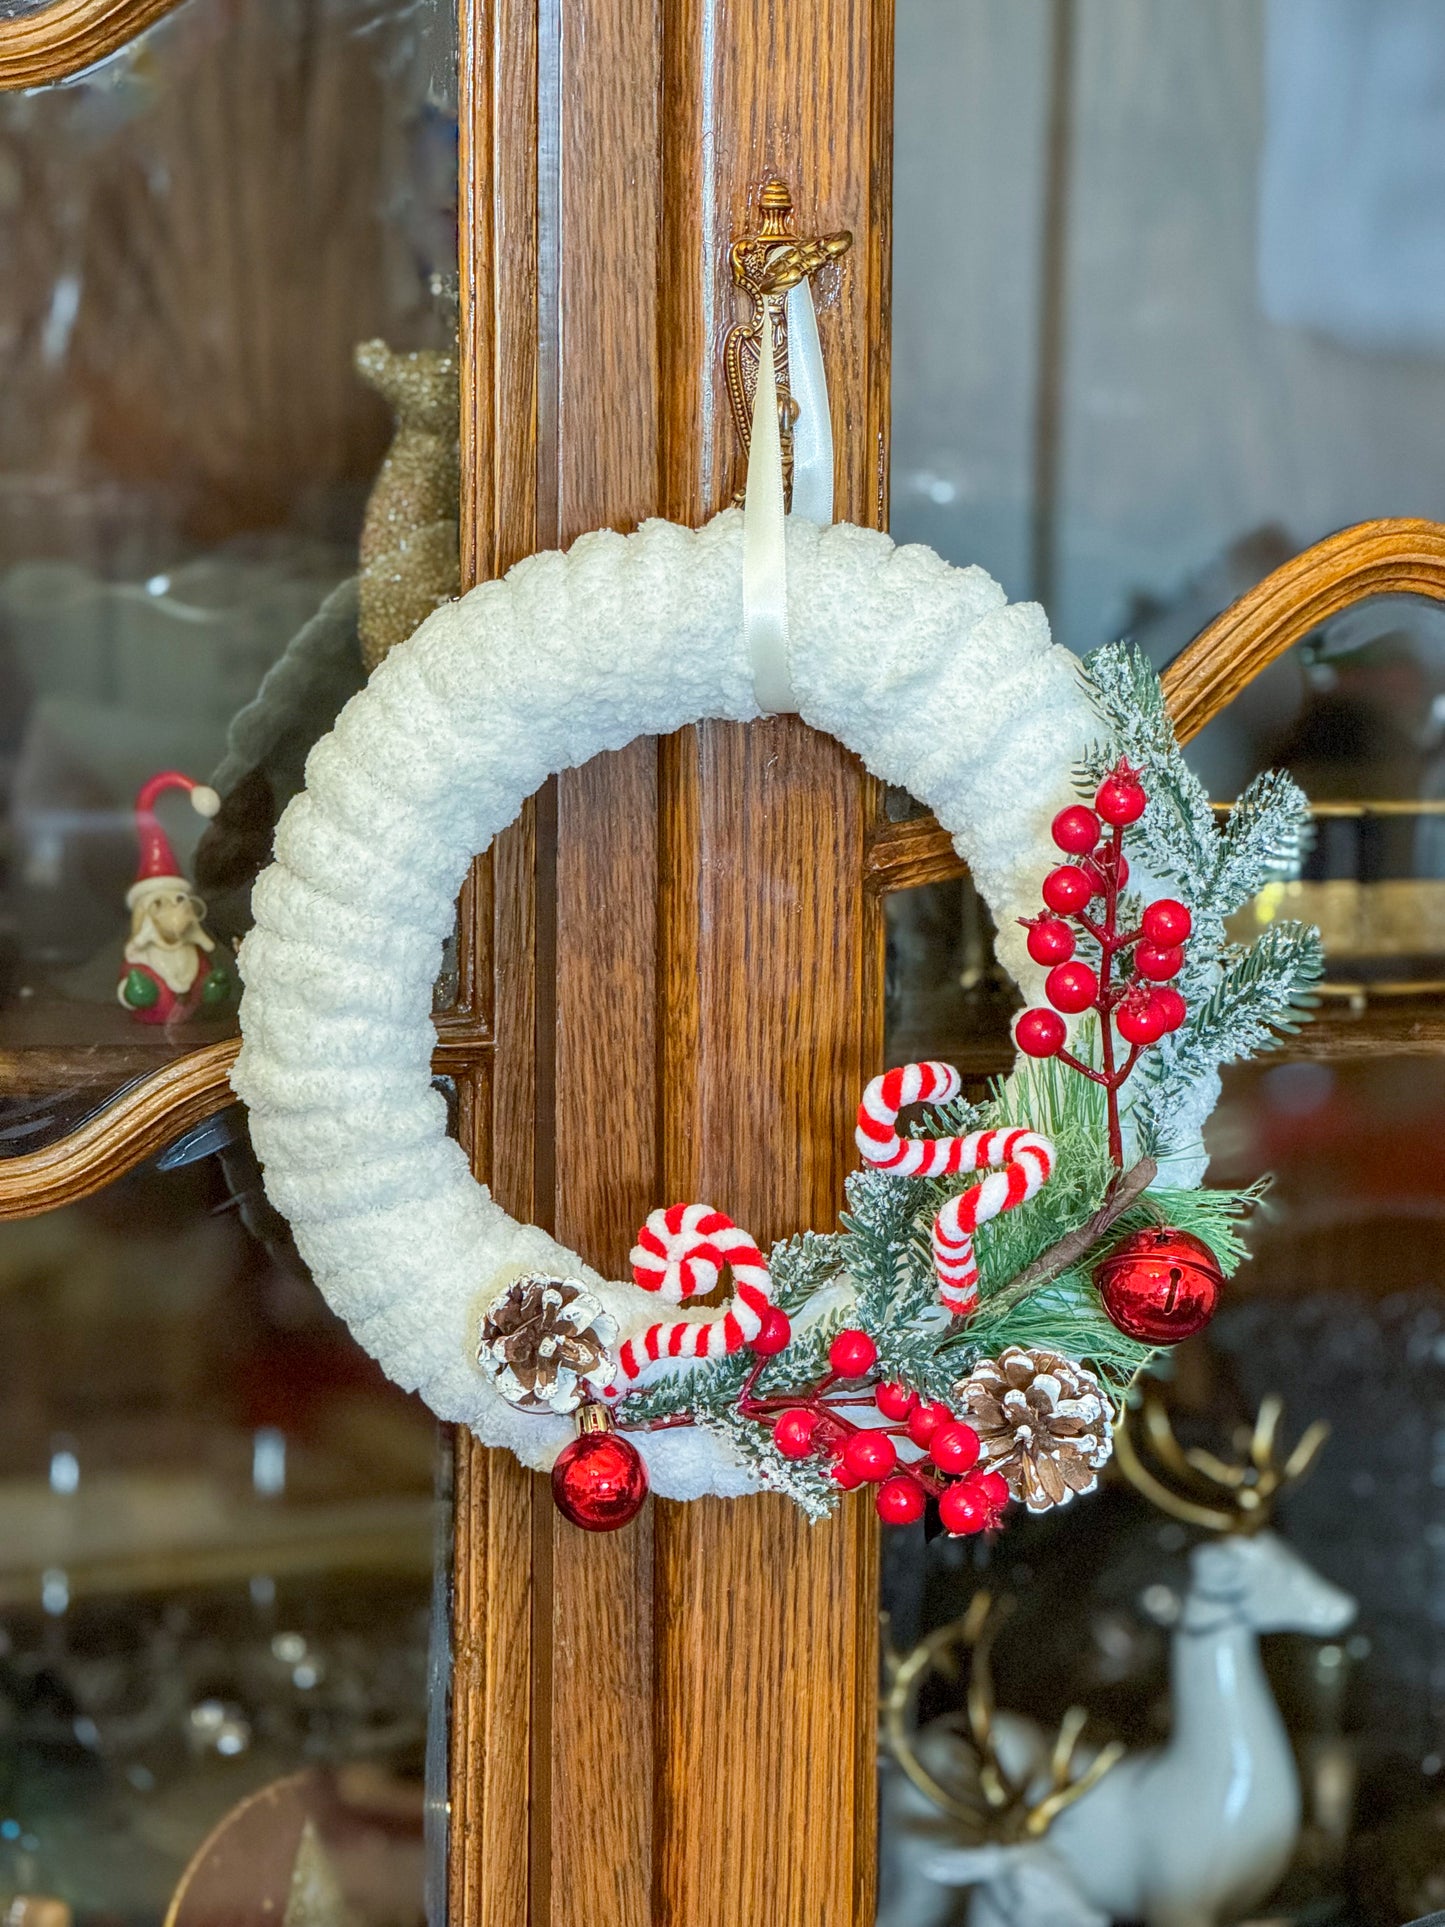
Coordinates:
(765, 565)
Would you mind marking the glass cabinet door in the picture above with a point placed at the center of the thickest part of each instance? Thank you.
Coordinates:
(1142, 359)
(197, 240)
(227, 291)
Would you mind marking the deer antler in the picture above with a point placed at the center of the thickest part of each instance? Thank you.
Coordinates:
(1243, 1491)
(1010, 1810)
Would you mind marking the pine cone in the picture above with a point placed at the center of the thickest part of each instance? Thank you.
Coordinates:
(1043, 1422)
(545, 1342)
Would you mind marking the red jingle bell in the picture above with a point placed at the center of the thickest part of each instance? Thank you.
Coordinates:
(1160, 1286)
(599, 1481)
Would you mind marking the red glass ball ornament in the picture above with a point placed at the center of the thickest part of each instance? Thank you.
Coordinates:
(900, 1501)
(1071, 987)
(775, 1334)
(895, 1401)
(925, 1419)
(1050, 941)
(1121, 799)
(1040, 1032)
(1076, 829)
(793, 1433)
(1160, 1286)
(972, 1505)
(1158, 962)
(852, 1353)
(1068, 888)
(599, 1481)
(870, 1456)
(1167, 921)
(1171, 1006)
(1139, 1020)
(954, 1447)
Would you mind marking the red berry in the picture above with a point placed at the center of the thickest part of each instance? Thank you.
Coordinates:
(841, 1472)
(1121, 799)
(1167, 1001)
(1167, 921)
(775, 1335)
(1158, 962)
(793, 1433)
(1140, 1020)
(1071, 987)
(895, 1401)
(900, 1501)
(975, 1504)
(924, 1420)
(954, 1447)
(1121, 870)
(1040, 1033)
(852, 1353)
(1076, 829)
(963, 1509)
(1050, 941)
(994, 1488)
(870, 1455)
(1068, 888)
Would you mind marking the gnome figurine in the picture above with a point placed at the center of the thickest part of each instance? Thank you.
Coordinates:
(172, 969)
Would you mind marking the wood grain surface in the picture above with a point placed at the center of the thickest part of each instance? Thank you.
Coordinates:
(682, 941)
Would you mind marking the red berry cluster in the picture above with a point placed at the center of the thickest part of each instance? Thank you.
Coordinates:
(943, 1451)
(1140, 1002)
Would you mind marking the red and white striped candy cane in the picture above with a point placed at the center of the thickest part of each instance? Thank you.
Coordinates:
(1025, 1158)
(680, 1253)
(885, 1097)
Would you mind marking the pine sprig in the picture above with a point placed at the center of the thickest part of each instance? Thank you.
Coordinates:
(1263, 994)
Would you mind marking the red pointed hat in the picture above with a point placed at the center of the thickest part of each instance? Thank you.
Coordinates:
(158, 867)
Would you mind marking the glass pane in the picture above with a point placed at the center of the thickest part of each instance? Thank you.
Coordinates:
(216, 1556)
(1156, 327)
(197, 237)
(1340, 1314)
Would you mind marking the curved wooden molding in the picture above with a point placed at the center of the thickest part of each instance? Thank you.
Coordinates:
(67, 36)
(1370, 559)
(135, 1126)
(153, 1113)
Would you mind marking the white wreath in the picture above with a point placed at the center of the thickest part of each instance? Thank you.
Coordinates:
(926, 671)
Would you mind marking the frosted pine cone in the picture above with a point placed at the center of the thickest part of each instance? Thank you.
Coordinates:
(1043, 1422)
(545, 1343)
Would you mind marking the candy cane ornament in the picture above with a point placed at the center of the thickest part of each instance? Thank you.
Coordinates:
(680, 1253)
(1019, 1163)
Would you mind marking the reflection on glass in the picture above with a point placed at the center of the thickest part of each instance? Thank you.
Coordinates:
(195, 239)
(216, 1544)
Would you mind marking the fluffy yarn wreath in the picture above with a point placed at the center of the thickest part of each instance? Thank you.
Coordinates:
(926, 671)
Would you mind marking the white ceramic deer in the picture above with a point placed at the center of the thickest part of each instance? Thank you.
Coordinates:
(1192, 1833)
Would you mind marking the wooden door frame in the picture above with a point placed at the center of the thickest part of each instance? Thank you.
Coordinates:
(675, 1724)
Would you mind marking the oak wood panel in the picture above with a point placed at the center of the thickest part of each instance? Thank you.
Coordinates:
(901, 856)
(767, 928)
(65, 37)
